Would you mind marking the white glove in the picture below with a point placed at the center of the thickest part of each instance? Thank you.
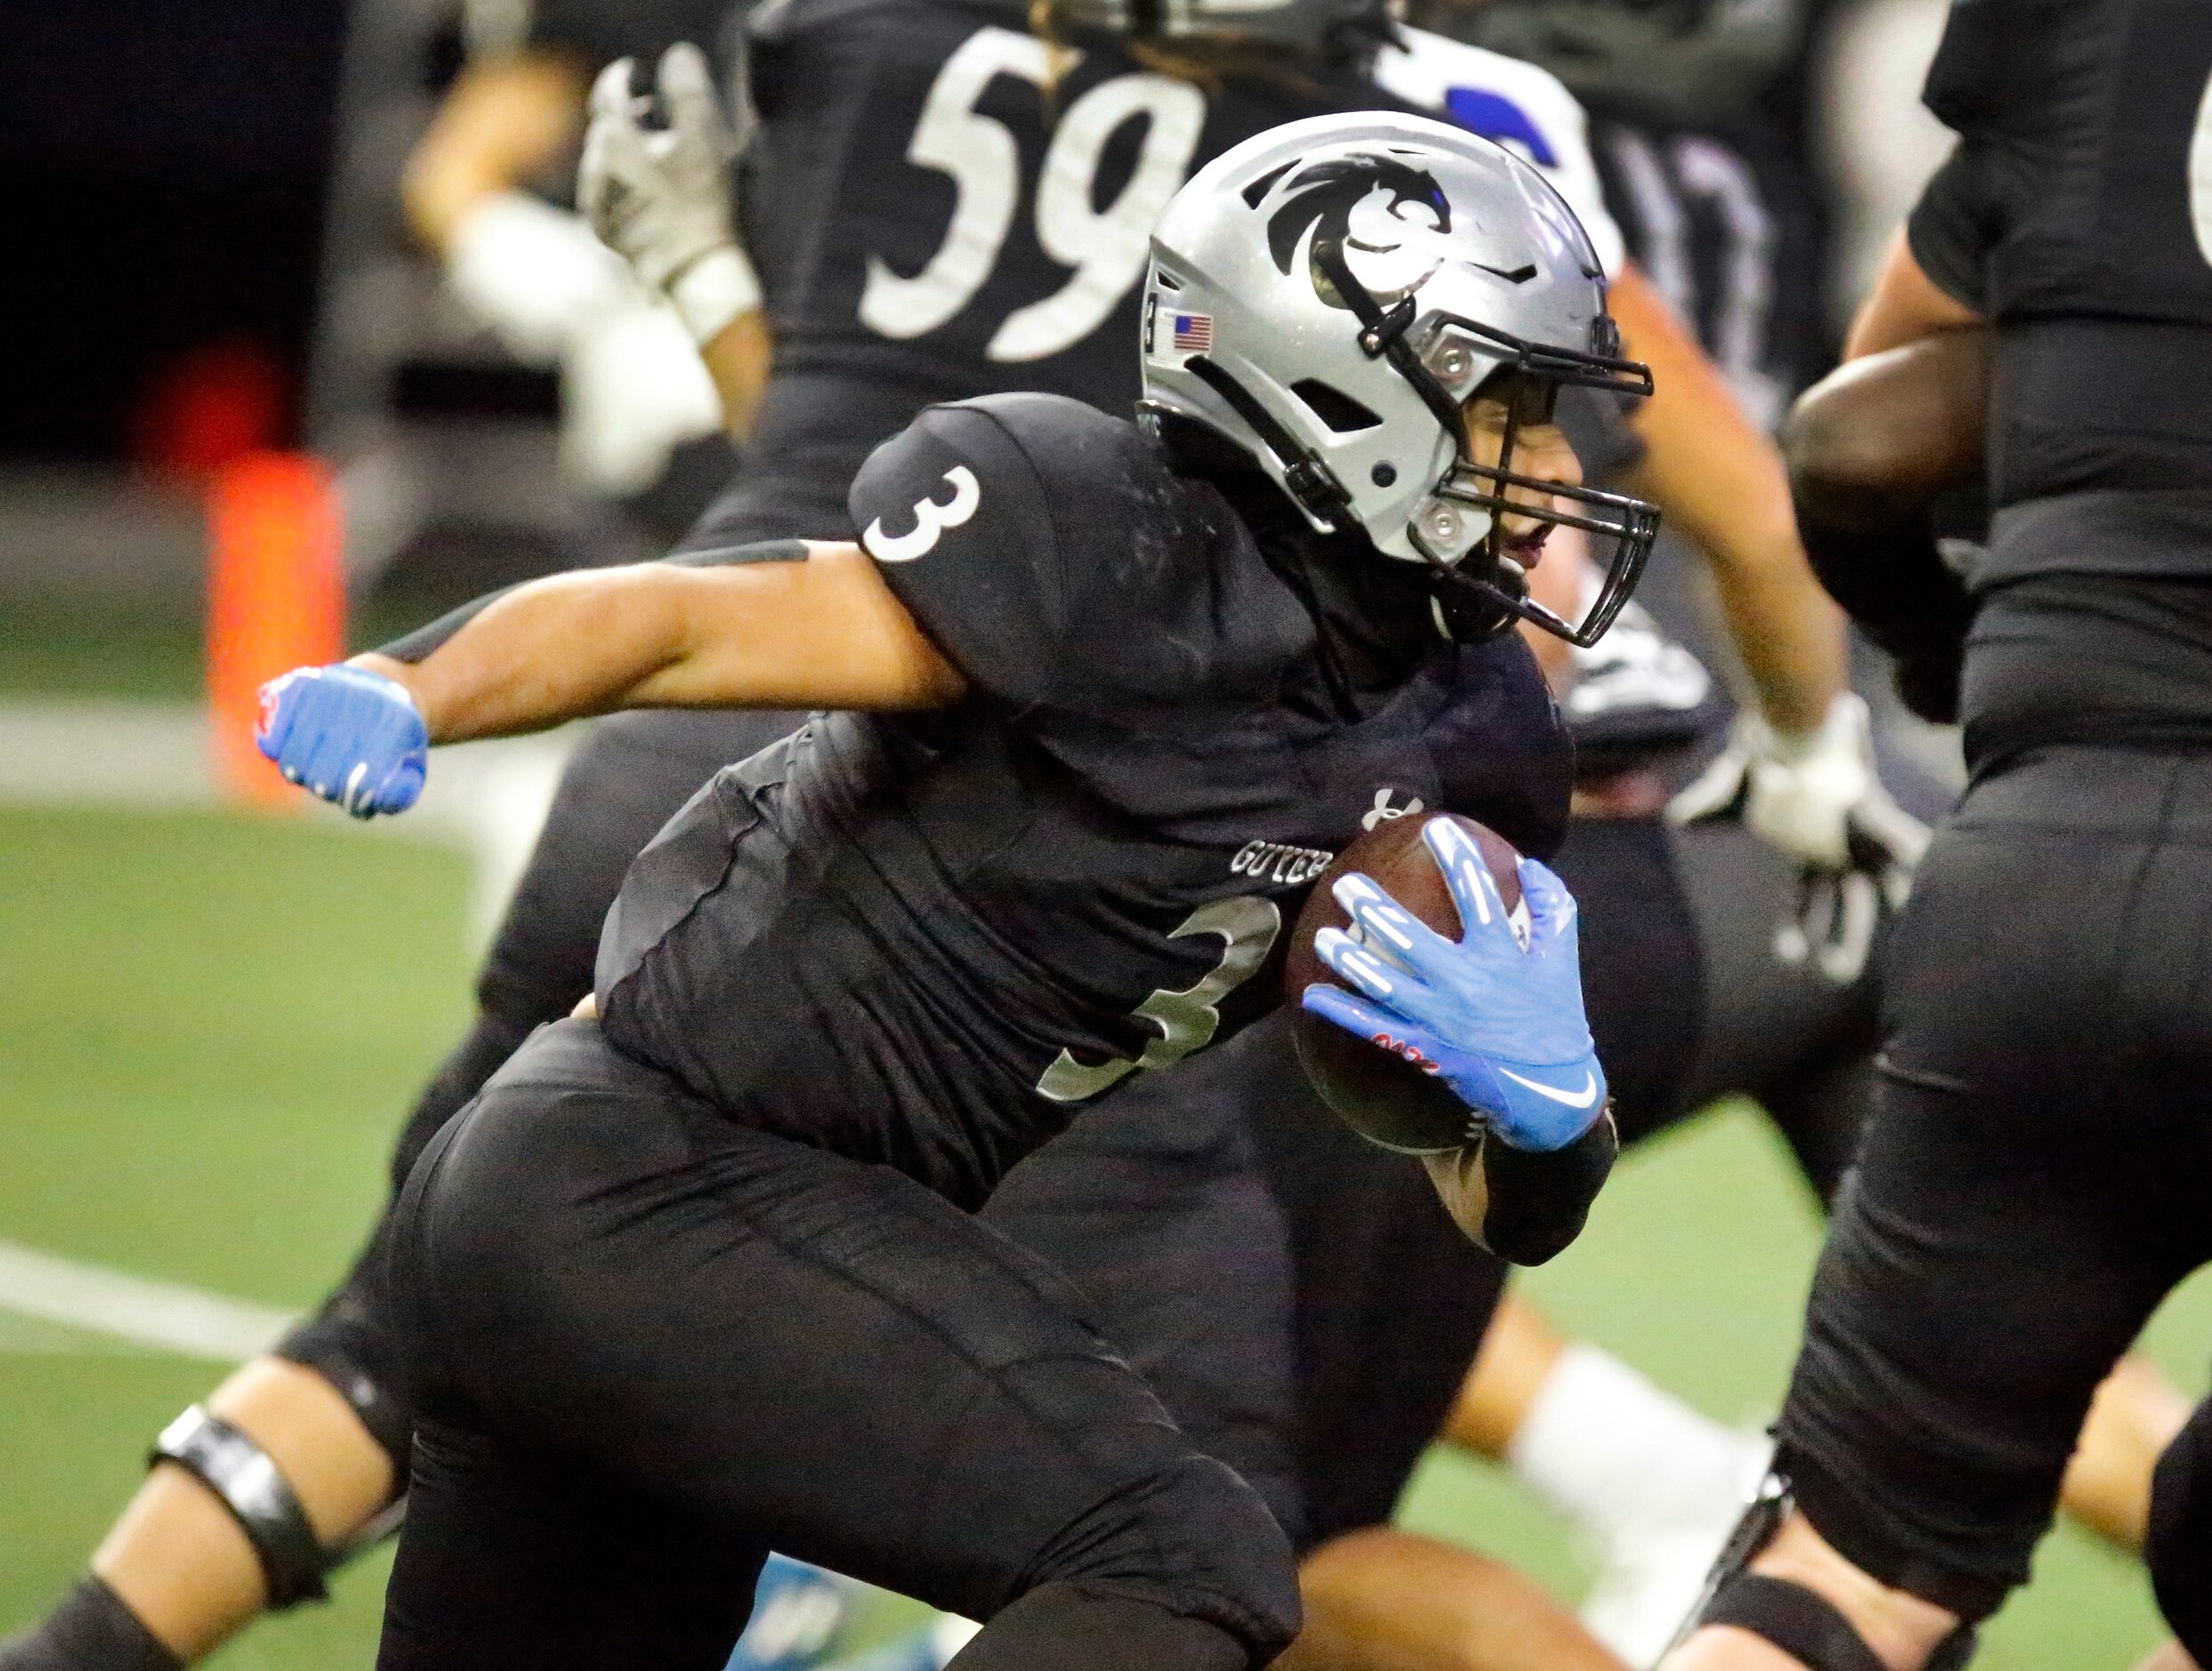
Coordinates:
(660, 197)
(1816, 797)
(533, 273)
(631, 387)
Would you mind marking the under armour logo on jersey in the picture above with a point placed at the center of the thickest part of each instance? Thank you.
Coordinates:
(931, 520)
(1383, 810)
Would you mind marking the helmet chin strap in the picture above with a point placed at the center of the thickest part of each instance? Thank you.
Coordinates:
(1498, 604)
(1308, 480)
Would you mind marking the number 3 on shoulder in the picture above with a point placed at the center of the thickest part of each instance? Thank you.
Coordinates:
(931, 520)
(1105, 247)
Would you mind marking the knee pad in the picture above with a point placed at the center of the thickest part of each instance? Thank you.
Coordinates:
(246, 1481)
(1194, 1539)
(1803, 1624)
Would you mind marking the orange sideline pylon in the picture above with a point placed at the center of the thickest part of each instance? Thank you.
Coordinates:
(276, 599)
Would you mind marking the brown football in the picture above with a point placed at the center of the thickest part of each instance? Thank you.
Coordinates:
(1381, 1095)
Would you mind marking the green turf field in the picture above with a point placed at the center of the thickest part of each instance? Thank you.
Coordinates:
(208, 1027)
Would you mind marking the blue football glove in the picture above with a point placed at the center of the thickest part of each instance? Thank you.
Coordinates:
(348, 735)
(1503, 1026)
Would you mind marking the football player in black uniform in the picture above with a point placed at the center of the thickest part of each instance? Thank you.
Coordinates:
(1699, 126)
(1083, 669)
(2031, 1183)
(316, 1409)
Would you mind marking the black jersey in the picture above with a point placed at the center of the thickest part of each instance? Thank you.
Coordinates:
(2076, 211)
(943, 205)
(924, 940)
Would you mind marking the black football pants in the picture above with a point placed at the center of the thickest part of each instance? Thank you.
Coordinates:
(647, 1343)
(2037, 1175)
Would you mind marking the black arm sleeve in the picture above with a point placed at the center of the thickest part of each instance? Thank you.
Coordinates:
(424, 642)
(1538, 1202)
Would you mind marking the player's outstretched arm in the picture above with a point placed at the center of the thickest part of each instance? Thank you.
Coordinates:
(799, 625)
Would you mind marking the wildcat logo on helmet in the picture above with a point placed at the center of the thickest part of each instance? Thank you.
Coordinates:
(1392, 220)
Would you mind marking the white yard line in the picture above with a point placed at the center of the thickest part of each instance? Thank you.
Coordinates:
(166, 1315)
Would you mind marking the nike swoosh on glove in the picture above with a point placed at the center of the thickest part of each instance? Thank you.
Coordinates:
(1503, 1026)
(350, 736)
(1817, 798)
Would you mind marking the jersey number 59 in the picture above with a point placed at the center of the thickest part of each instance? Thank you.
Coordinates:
(1106, 248)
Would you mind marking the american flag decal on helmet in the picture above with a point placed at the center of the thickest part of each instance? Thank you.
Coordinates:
(1193, 333)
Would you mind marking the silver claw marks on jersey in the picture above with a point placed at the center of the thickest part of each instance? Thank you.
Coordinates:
(1326, 295)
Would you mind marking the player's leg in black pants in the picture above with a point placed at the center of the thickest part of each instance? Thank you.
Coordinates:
(2037, 1172)
(629, 1316)
(2178, 1549)
(626, 781)
(1154, 1205)
(1390, 1297)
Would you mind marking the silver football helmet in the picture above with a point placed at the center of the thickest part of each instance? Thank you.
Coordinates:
(1327, 295)
(1312, 26)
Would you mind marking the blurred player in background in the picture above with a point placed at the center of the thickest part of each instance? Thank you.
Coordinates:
(863, 944)
(2031, 1183)
(628, 353)
(1702, 126)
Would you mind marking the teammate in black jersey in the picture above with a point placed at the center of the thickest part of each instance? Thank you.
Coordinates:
(2032, 1181)
(919, 941)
